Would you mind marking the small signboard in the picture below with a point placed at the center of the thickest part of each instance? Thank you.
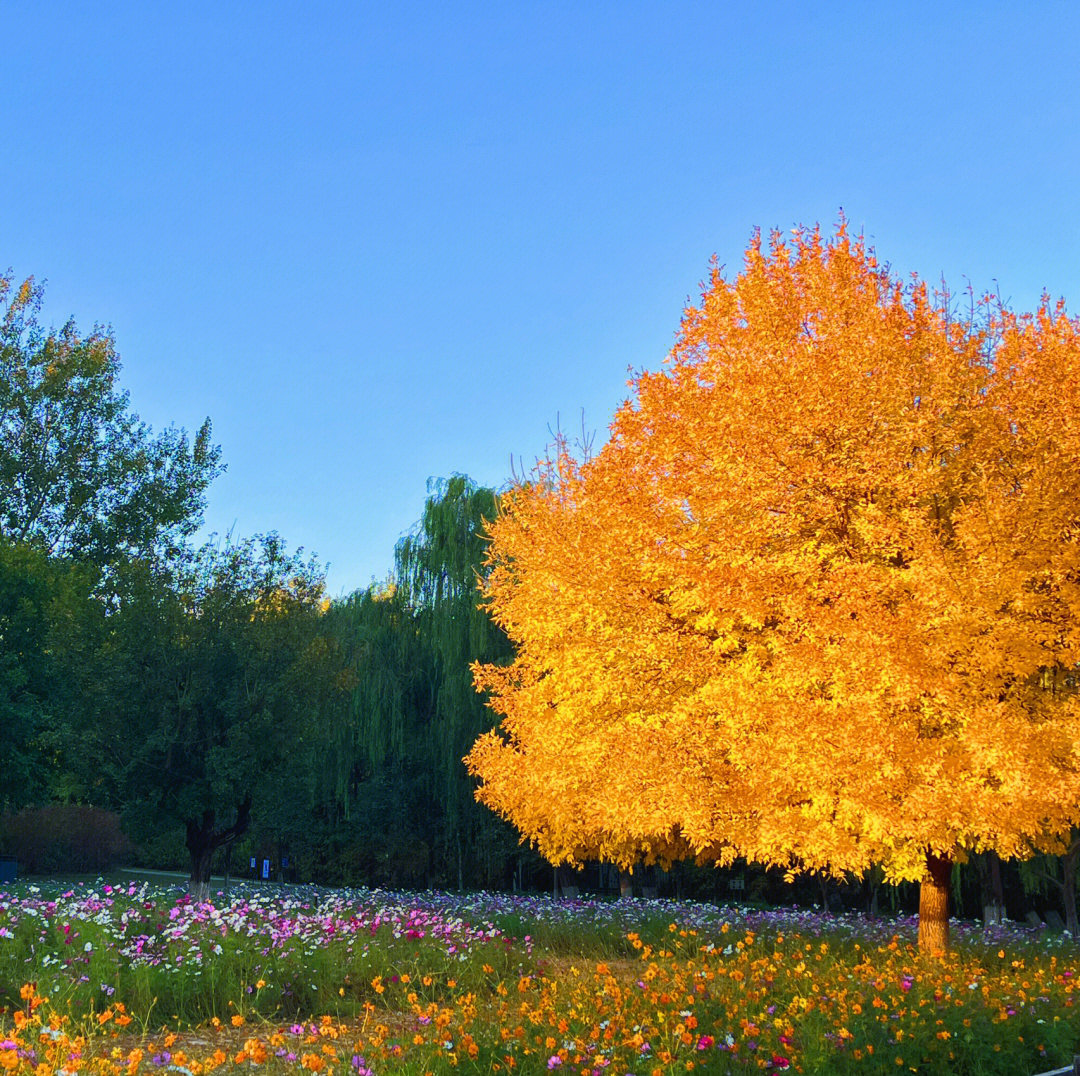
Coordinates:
(266, 868)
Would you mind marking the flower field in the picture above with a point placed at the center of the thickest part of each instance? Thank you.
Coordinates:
(139, 979)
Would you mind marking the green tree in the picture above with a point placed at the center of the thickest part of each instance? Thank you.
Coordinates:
(79, 473)
(438, 568)
(374, 778)
(396, 740)
(202, 692)
(45, 609)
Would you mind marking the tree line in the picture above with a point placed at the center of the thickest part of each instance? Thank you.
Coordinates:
(211, 694)
(685, 667)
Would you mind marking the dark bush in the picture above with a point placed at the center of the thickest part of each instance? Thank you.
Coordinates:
(63, 838)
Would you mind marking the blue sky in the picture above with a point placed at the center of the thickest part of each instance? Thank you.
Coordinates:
(378, 243)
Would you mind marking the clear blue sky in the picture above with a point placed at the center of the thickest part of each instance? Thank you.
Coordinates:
(377, 243)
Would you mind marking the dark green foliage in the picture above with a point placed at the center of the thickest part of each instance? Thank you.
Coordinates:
(438, 570)
(46, 608)
(206, 693)
(393, 776)
(27, 586)
(80, 475)
(64, 837)
(167, 684)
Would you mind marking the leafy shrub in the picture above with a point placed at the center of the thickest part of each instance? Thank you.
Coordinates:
(64, 838)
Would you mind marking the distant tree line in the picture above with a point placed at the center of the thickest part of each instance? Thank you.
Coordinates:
(211, 695)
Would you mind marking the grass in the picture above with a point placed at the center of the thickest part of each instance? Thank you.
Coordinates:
(132, 978)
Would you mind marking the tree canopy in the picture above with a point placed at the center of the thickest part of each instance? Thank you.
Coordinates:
(410, 712)
(815, 601)
(45, 611)
(199, 692)
(80, 475)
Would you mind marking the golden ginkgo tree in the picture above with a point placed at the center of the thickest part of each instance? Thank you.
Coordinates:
(816, 602)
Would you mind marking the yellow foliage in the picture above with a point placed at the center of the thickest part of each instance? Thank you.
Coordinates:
(817, 600)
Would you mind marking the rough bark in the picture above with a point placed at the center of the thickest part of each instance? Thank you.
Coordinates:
(228, 867)
(203, 841)
(934, 905)
(991, 890)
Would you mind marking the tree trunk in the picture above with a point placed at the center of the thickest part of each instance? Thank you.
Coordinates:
(871, 887)
(934, 905)
(202, 842)
(626, 885)
(1066, 884)
(991, 891)
(1069, 863)
(564, 880)
(199, 883)
(823, 888)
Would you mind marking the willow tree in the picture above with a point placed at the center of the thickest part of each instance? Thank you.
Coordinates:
(410, 713)
(437, 569)
(372, 723)
(815, 602)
